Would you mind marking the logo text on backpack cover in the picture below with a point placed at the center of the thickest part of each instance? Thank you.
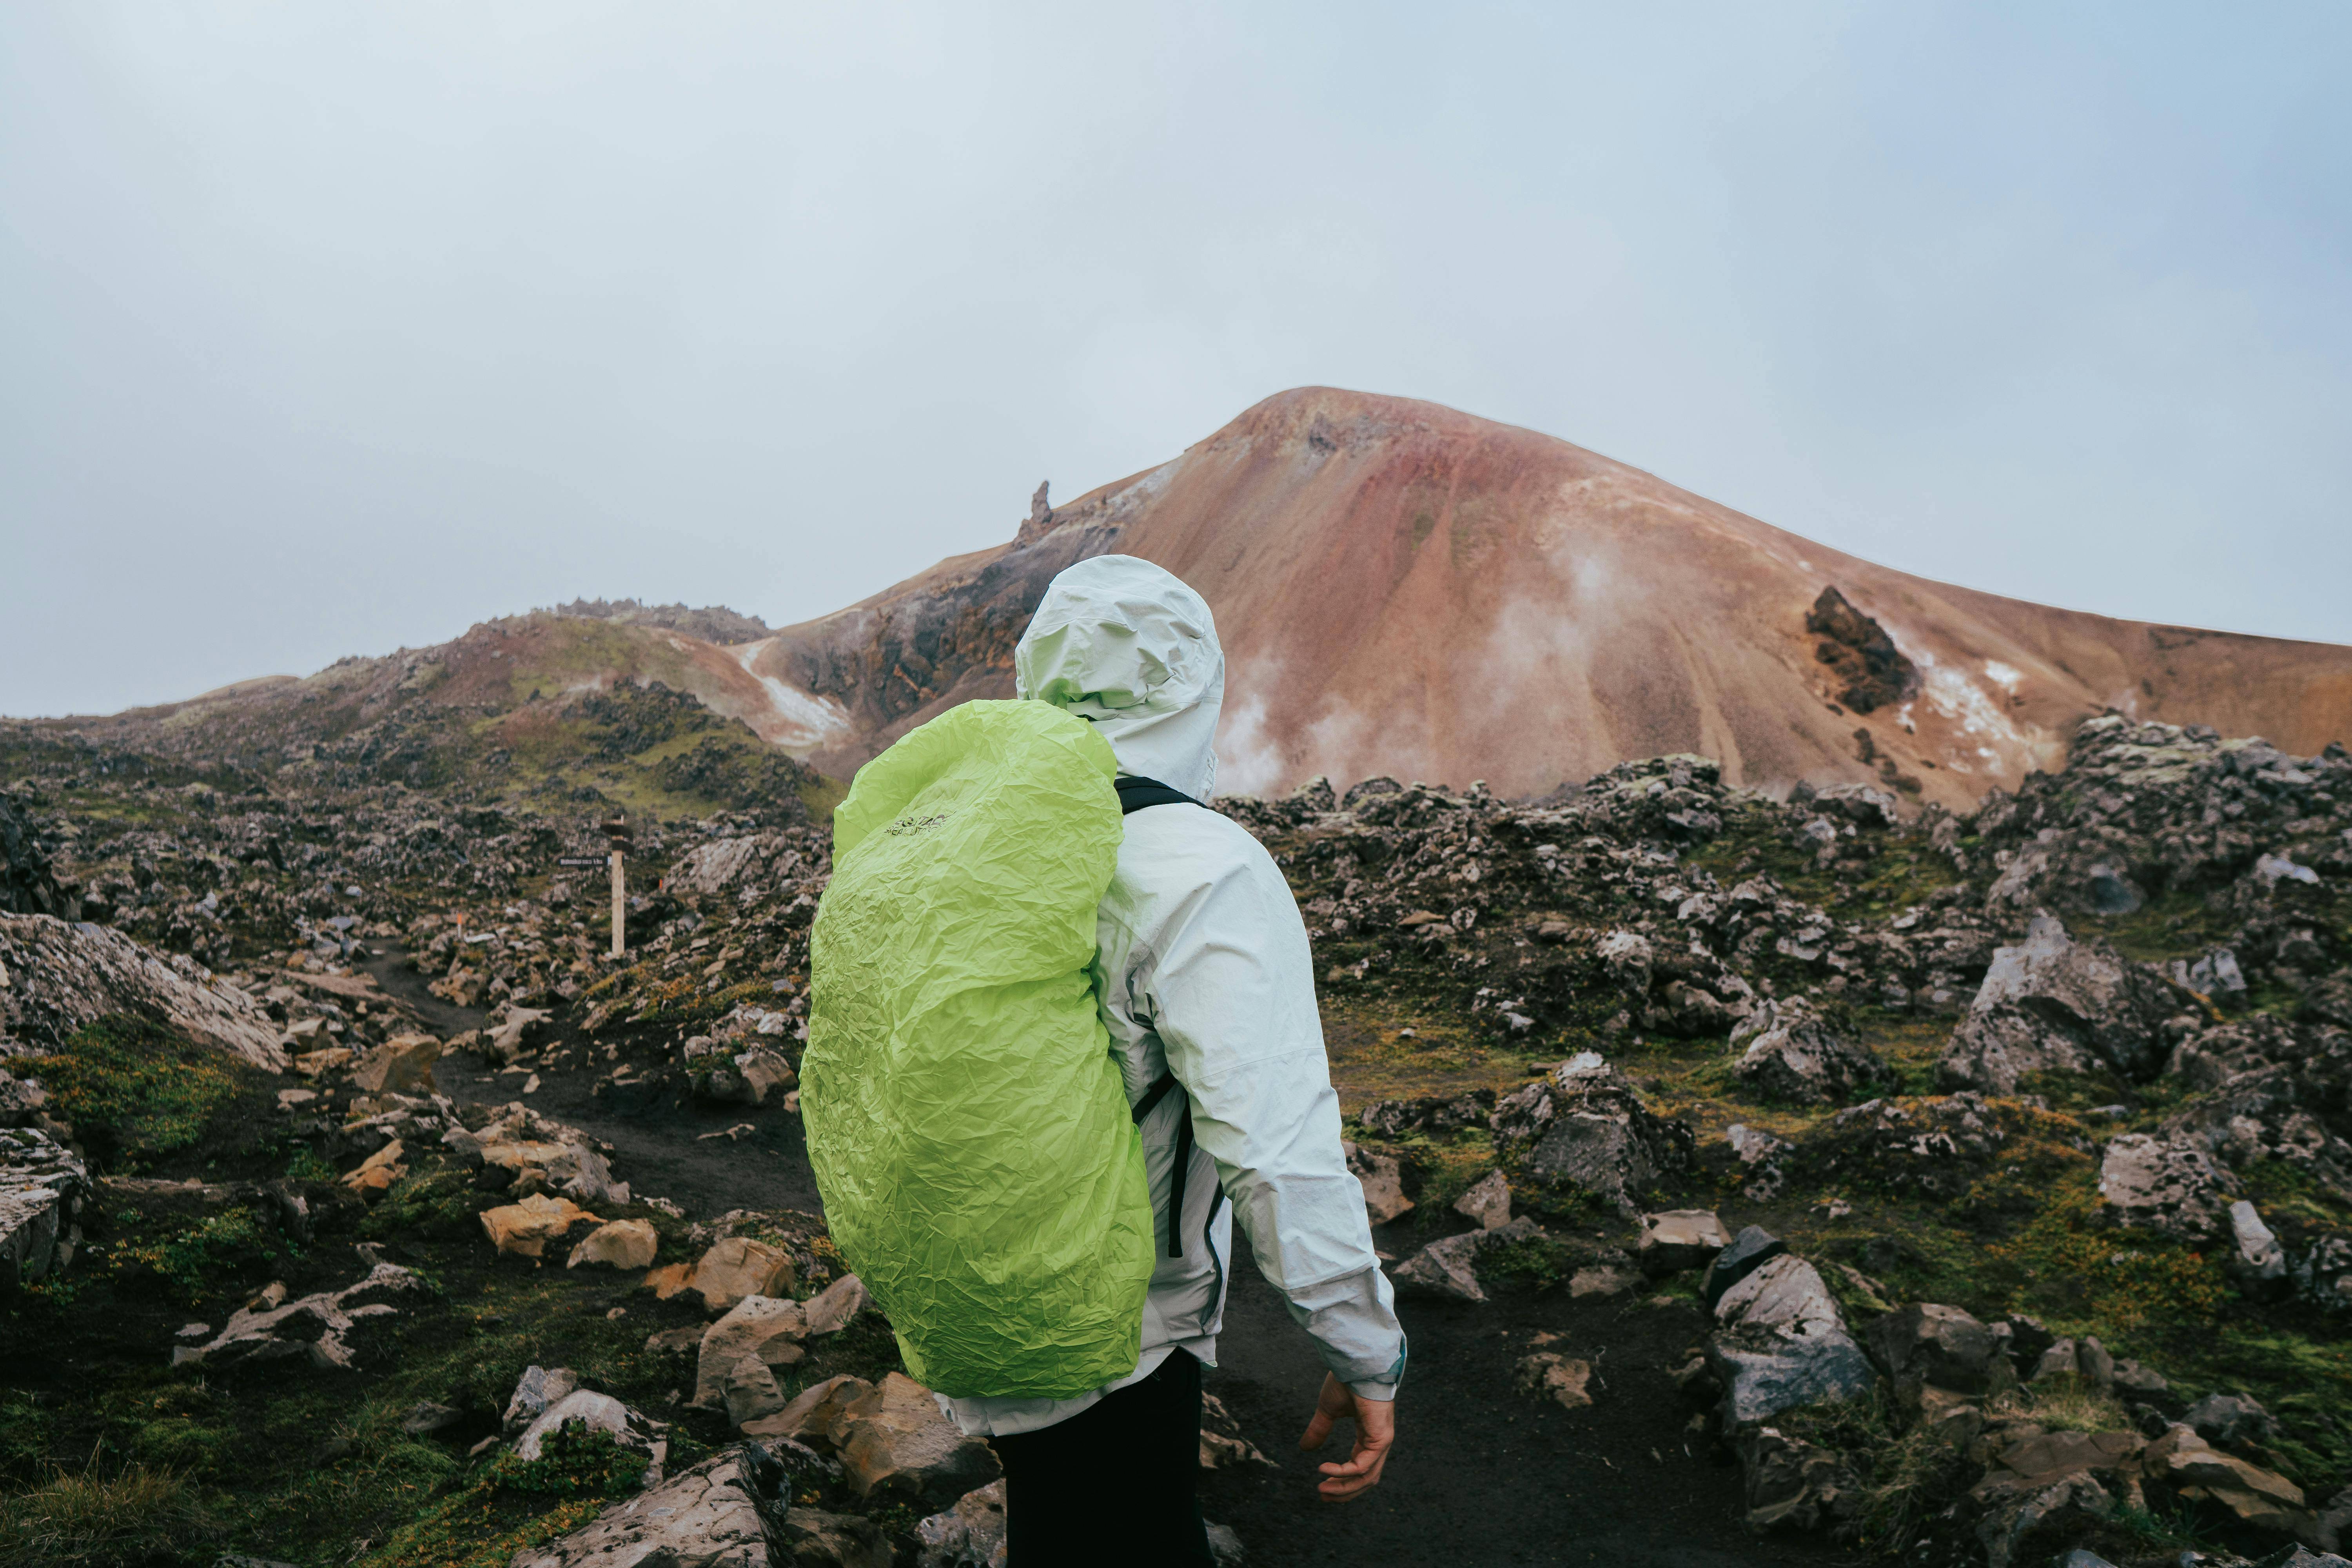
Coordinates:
(906, 824)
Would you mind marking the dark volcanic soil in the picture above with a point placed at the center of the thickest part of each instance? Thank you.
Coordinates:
(1482, 1475)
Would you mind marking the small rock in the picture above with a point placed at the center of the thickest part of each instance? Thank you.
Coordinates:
(377, 1172)
(1679, 1239)
(1488, 1201)
(402, 1065)
(815, 1414)
(534, 1391)
(1550, 1376)
(1601, 1279)
(830, 1309)
(763, 1327)
(1445, 1267)
(617, 1244)
(1382, 1181)
(819, 1539)
(1929, 1343)
(426, 1417)
(738, 1267)
(2258, 1263)
(969, 1535)
(525, 1228)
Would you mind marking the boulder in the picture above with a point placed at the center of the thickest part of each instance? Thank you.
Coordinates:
(1789, 1052)
(1432, 1113)
(2228, 1420)
(896, 1448)
(1565, 1382)
(1583, 1127)
(61, 977)
(2045, 1486)
(969, 1535)
(727, 1512)
(315, 1330)
(1927, 1344)
(1679, 1239)
(2299, 1556)
(1737, 1258)
(402, 1065)
(764, 1327)
(2175, 1189)
(42, 1184)
(617, 1244)
(2055, 1004)
(1782, 1342)
(2257, 1498)
(525, 1228)
(1488, 1201)
(830, 1309)
(1382, 1181)
(1222, 1443)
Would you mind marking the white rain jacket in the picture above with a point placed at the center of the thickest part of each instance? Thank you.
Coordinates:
(1202, 971)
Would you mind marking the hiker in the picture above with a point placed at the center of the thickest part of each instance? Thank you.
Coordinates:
(1203, 973)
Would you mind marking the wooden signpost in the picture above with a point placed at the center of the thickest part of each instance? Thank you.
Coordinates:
(616, 830)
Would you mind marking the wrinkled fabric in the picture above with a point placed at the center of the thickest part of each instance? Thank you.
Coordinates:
(1204, 971)
(1127, 646)
(969, 1129)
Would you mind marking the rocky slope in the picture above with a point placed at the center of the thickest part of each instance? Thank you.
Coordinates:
(1965, 1188)
(1406, 590)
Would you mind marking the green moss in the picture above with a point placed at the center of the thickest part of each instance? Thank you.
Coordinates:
(1538, 1263)
(135, 1091)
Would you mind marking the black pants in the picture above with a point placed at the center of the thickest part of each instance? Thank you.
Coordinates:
(1116, 1483)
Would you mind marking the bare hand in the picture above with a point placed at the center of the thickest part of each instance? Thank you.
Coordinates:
(1375, 1422)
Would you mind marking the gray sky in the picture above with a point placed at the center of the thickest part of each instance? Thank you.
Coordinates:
(327, 329)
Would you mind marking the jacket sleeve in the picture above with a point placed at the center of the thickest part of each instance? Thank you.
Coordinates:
(1233, 1001)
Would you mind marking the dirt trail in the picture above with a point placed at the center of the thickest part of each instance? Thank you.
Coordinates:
(654, 1144)
(1482, 1474)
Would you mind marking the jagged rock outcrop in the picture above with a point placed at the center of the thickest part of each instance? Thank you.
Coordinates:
(55, 978)
(41, 1189)
(2055, 1004)
(1584, 1128)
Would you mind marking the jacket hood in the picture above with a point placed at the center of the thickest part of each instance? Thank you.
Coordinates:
(1127, 646)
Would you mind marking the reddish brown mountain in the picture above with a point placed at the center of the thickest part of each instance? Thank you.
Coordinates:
(1404, 589)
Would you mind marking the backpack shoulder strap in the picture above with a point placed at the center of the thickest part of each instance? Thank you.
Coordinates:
(1136, 793)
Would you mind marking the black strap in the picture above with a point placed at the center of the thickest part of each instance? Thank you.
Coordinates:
(1136, 793)
(1143, 1108)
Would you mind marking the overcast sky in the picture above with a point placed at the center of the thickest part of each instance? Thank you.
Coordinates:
(328, 329)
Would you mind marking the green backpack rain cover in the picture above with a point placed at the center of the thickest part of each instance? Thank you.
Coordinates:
(968, 1126)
